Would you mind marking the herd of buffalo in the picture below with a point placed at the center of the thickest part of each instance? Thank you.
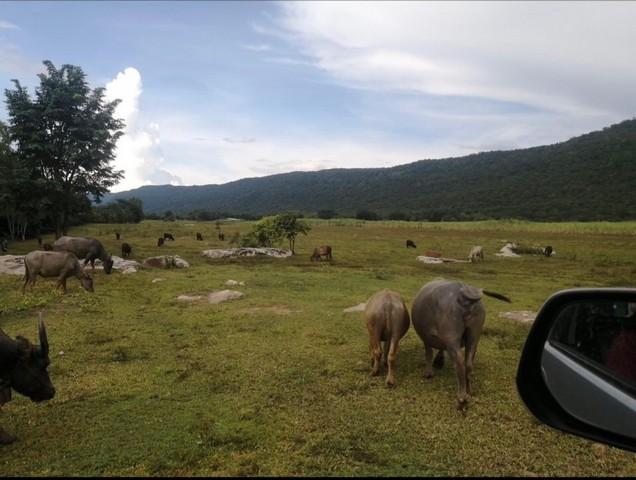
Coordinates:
(447, 316)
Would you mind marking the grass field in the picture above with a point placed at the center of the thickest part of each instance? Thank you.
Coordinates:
(277, 383)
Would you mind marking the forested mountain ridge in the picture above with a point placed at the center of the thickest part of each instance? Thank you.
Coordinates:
(590, 177)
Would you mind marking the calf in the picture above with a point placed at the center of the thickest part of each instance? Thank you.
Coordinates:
(54, 264)
(126, 250)
(322, 251)
(449, 315)
(387, 320)
(409, 243)
(23, 369)
(160, 241)
(168, 236)
(199, 236)
(476, 254)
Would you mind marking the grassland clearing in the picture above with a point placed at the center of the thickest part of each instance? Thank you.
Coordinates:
(277, 382)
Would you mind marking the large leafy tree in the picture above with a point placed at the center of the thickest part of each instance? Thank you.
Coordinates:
(68, 133)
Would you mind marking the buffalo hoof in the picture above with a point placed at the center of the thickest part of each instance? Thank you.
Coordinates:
(428, 374)
(462, 403)
(6, 439)
(390, 382)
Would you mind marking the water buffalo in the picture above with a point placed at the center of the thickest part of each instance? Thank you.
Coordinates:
(221, 236)
(476, 254)
(387, 320)
(23, 369)
(160, 241)
(126, 250)
(168, 236)
(448, 315)
(409, 243)
(199, 236)
(322, 251)
(548, 251)
(87, 248)
(54, 264)
(47, 247)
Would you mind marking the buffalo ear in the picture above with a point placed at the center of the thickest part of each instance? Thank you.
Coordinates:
(24, 347)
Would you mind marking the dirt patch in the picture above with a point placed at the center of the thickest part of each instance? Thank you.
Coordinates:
(275, 309)
(523, 316)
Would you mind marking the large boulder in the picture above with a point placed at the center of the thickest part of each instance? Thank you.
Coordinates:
(12, 264)
(224, 296)
(166, 261)
(247, 252)
(120, 264)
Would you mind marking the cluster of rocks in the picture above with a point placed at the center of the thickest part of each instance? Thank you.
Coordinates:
(247, 252)
(12, 264)
(166, 261)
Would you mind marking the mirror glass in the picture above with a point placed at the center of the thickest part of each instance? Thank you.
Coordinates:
(589, 363)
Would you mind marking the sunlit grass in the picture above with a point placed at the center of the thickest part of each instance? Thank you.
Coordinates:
(277, 383)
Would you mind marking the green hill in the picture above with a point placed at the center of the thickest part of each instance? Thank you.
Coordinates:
(590, 177)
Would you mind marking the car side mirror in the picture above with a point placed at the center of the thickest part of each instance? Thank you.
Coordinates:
(577, 371)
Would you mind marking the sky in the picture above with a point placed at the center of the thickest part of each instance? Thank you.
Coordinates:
(212, 92)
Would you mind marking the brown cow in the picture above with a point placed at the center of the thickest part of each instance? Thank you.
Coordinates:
(322, 251)
(387, 320)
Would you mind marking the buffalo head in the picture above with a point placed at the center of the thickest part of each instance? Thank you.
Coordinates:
(108, 266)
(29, 376)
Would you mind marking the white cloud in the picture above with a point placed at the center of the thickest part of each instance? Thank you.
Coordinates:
(139, 151)
(571, 57)
(8, 25)
(262, 47)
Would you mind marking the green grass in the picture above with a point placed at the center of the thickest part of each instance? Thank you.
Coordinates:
(277, 383)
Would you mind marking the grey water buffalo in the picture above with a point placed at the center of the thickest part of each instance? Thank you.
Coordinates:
(126, 250)
(54, 264)
(23, 369)
(322, 251)
(448, 315)
(87, 248)
(410, 243)
(476, 254)
(387, 319)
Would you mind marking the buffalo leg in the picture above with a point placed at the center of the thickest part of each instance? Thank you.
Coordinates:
(428, 368)
(390, 378)
(376, 352)
(460, 368)
(439, 359)
(385, 353)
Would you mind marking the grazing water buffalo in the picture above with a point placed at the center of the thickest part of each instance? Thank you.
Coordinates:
(221, 236)
(160, 241)
(449, 315)
(199, 236)
(548, 251)
(476, 254)
(126, 250)
(23, 369)
(322, 251)
(54, 264)
(387, 320)
(168, 236)
(409, 243)
(87, 248)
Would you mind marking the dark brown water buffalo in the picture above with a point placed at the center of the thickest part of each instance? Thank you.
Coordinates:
(160, 241)
(199, 236)
(117, 235)
(322, 251)
(126, 250)
(54, 264)
(87, 248)
(23, 369)
(449, 315)
(168, 236)
(387, 320)
(409, 243)
(221, 236)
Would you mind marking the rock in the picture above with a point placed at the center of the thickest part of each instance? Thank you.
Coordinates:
(358, 308)
(166, 261)
(155, 280)
(224, 296)
(189, 298)
(507, 250)
(12, 264)
(247, 252)
(425, 259)
(232, 283)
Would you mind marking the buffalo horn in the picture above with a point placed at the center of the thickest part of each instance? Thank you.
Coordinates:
(44, 343)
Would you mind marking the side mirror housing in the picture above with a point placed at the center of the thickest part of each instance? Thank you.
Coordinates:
(577, 371)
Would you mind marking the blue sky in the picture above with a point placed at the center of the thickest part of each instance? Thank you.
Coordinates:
(217, 91)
